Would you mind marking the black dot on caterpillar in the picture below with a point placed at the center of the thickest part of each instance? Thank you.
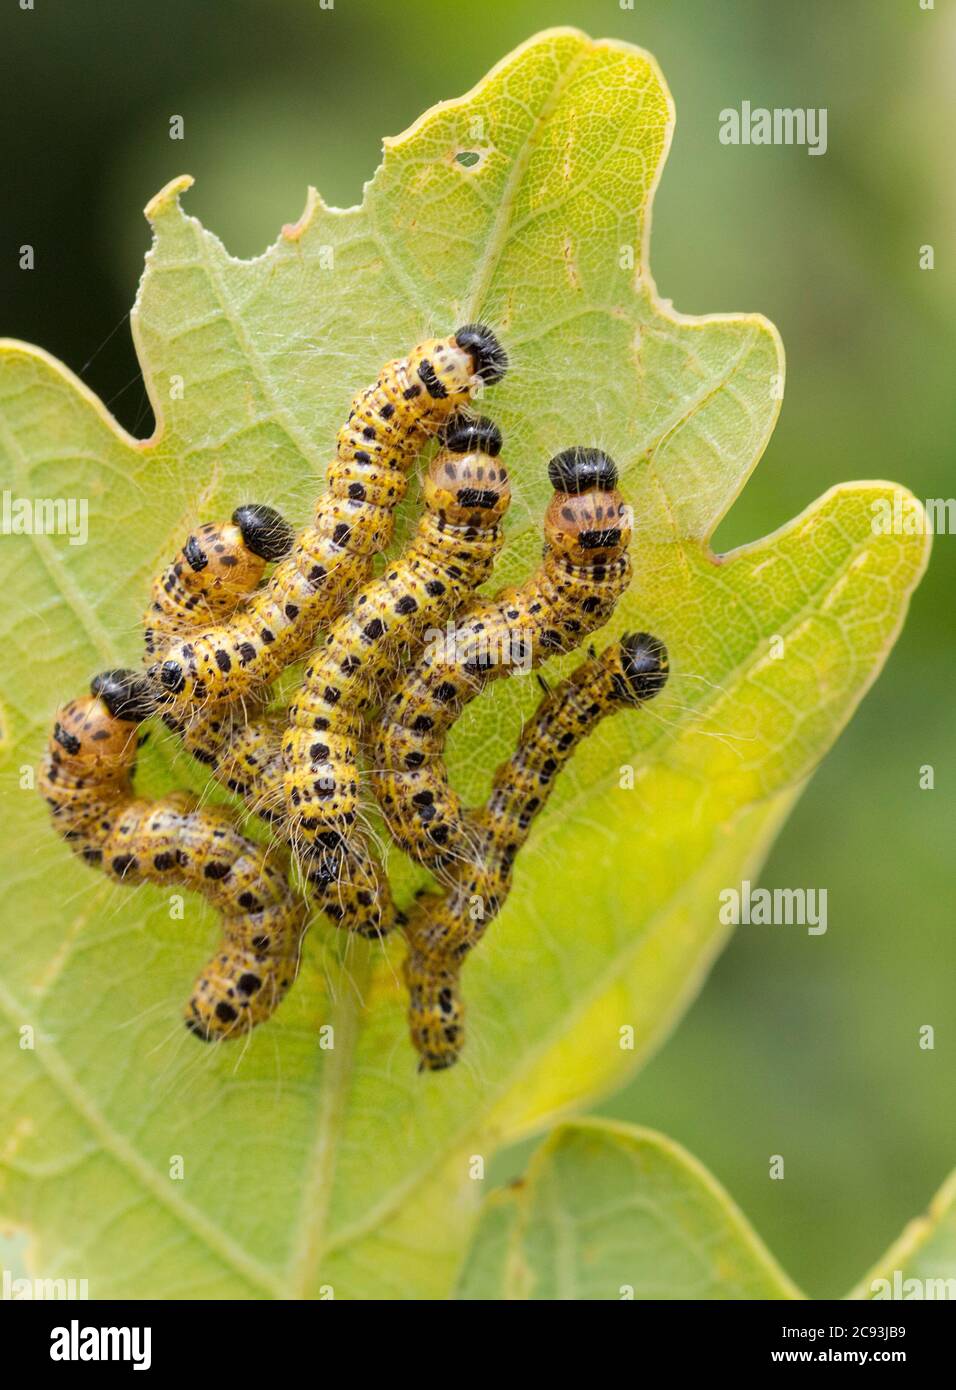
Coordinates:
(443, 928)
(353, 521)
(86, 779)
(583, 573)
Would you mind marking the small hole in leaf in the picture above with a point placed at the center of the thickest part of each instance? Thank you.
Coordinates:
(469, 158)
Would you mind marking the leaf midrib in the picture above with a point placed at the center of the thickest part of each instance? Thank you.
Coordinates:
(487, 263)
(319, 1177)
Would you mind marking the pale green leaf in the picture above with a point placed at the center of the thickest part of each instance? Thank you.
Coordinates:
(305, 1168)
(609, 1211)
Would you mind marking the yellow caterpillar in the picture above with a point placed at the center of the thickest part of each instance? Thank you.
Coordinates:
(216, 570)
(584, 571)
(443, 928)
(466, 494)
(86, 780)
(353, 521)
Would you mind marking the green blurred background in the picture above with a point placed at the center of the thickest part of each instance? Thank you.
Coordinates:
(805, 1047)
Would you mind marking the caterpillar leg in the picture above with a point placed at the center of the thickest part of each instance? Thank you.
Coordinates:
(350, 885)
(584, 571)
(386, 429)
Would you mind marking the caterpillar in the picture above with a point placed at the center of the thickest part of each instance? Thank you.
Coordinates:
(466, 494)
(584, 571)
(353, 521)
(443, 928)
(216, 570)
(86, 779)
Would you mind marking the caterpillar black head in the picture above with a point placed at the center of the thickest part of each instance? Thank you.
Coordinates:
(464, 435)
(450, 370)
(581, 469)
(644, 667)
(99, 730)
(466, 482)
(128, 695)
(170, 676)
(489, 357)
(265, 532)
(587, 522)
